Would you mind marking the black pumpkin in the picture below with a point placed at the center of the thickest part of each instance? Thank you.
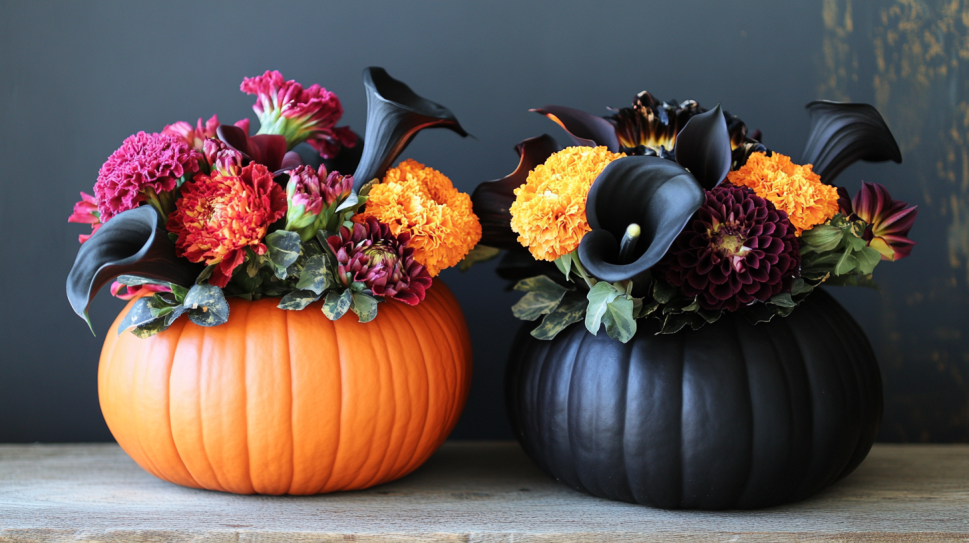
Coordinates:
(728, 416)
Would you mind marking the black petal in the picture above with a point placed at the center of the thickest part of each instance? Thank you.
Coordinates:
(492, 199)
(703, 147)
(657, 194)
(843, 133)
(266, 149)
(395, 114)
(133, 242)
(586, 130)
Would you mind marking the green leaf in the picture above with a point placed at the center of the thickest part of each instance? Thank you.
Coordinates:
(571, 310)
(206, 305)
(298, 300)
(822, 238)
(674, 322)
(846, 264)
(365, 306)
(868, 258)
(151, 328)
(710, 315)
(543, 295)
(480, 253)
(783, 300)
(599, 298)
(758, 312)
(139, 314)
(663, 292)
(283, 247)
(351, 201)
(618, 318)
(179, 291)
(564, 264)
(647, 309)
(337, 304)
(800, 286)
(135, 281)
(316, 275)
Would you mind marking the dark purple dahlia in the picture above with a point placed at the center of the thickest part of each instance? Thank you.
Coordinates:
(737, 250)
(384, 263)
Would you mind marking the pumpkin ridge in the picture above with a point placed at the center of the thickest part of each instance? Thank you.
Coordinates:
(137, 377)
(381, 471)
(292, 404)
(339, 418)
(798, 489)
(415, 459)
(434, 310)
(389, 469)
(568, 413)
(745, 365)
(625, 403)
(168, 398)
(358, 481)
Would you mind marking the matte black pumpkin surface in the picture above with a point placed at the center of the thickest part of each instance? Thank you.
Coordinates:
(728, 416)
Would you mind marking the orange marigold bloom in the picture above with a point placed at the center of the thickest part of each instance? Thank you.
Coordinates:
(790, 187)
(218, 217)
(549, 209)
(423, 201)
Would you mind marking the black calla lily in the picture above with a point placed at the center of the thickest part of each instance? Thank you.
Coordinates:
(584, 129)
(492, 200)
(843, 133)
(268, 150)
(133, 242)
(395, 114)
(703, 147)
(657, 194)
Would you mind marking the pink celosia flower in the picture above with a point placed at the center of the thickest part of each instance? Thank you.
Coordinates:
(286, 108)
(86, 212)
(195, 137)
(143, 163)
(132, 291)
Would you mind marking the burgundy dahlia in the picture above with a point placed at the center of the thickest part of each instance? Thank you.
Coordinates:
(145, 164)
(384, 263)
(737, 250)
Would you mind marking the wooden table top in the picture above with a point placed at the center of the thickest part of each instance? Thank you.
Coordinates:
(469, 491)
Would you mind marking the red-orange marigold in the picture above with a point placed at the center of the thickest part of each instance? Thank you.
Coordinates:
(217, 217)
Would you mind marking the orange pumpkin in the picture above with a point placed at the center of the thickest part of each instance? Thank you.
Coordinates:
(289, 402)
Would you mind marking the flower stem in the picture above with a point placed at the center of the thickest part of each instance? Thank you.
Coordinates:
(581, 269)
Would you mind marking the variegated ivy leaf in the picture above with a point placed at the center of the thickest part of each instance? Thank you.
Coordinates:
(599, 297)
(316, 275)
(179, 292)
(674, 322)
(783, 299)
(480, 253)
(206, 305)
(284, 247)
(663, 292)
(365, 306)
(149, 329)
(135, 281)
(542, 296)
(298, 300)
(139, 314)
(351, 201)
(569, 311)
(337, 304)
(618, 318)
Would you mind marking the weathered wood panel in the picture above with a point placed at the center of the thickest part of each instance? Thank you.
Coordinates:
(469, 491)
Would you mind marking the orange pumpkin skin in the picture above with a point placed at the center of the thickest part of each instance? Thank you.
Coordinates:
(289, 402)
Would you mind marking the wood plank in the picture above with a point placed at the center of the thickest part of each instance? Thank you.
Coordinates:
(469, 491)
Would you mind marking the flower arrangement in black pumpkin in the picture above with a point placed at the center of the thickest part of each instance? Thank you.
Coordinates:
(189, 216)
(669, 211)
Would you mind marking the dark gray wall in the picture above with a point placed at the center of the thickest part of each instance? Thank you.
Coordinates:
(77, 78)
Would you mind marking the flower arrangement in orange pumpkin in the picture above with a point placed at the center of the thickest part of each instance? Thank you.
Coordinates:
(193, 214)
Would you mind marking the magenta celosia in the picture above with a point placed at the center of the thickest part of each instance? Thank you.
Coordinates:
(384, 263)
(144, 162)
(86, 212)
(737, 250)
(310, 114)
(196, 136)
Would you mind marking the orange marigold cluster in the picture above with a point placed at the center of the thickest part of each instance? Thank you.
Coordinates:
(423, 201)
(549, 209)
(790, 187)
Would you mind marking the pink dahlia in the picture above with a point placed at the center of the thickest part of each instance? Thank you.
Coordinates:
(888, 220)
(196, 136)
(311, 114)
(144, 166)
(737, 250)
(384, 263)
(86, 212)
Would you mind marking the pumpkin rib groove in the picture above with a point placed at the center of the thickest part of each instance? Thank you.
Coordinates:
(205, 452)
(168, 397)
(374, 427)
(447, 363)
(145, 363)
(744, 366)
(796, 492)
(137, 375)
(791, 410)
(577, 481)
(396, 444)
(418, 451)
(292, 404)
(244, 389)
(339, 418)
(379, 473)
